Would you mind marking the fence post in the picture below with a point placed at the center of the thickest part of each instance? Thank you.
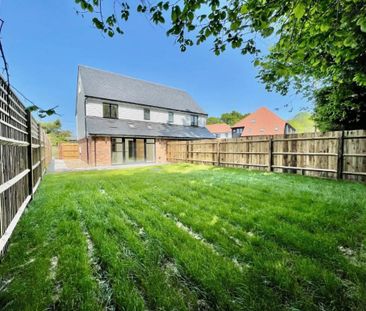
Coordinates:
(270, 153)
(30, 153)
(40, 148)
(218, 153)
(340, 156)
(187, 146)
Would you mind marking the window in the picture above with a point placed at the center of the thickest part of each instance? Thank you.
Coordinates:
(171, 117)
(110, 111)
(236, 132)
(146, 114)
(194, 120)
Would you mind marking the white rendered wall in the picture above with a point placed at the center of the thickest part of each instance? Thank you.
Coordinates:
(134, 112)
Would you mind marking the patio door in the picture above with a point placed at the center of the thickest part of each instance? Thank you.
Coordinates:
(117, 151)
(130, 150)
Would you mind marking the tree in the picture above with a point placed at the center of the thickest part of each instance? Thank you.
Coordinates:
(316, 43)
(232, 117)
(338, 107)
(55, 133)
(303, 122)
(229, 118)
(213, 120)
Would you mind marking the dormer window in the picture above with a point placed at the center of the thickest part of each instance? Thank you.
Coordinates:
(194, 120)
(146, 114)
(110, 111)
(237, 131)
(170, 117)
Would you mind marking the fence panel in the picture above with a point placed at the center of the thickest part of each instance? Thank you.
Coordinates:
(339, 154)
(24, 155)
(68, 151)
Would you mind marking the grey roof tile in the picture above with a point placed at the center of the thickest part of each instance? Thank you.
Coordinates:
(120, 127)
(107, 85)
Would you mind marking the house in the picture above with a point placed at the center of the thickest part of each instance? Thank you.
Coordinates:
(221, 130)
(261, 122)
(124, 120)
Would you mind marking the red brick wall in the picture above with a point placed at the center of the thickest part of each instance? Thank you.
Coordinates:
(82, 149)
(160, 147)
(99, 150)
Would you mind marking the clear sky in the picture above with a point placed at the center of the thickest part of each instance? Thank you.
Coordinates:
(44, 42)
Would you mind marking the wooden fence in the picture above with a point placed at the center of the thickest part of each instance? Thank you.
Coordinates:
(68, 151)
(340, 155)
(25, 152)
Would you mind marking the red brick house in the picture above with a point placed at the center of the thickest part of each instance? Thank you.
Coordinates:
(220, 130)
(261, 122)
(125, 120)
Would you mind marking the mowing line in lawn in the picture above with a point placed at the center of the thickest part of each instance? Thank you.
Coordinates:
(306, 262)
(168, 238)
(148, 275)
(225, 271)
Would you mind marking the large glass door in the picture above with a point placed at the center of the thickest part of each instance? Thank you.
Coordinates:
(140, 150)
(117, 151)
(129, 150)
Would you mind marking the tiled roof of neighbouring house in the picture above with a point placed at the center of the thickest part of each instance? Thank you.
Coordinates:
(107, 85)
(118, 127)
(262, 122)
(219, 128)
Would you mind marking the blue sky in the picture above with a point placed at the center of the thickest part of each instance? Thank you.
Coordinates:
(44, 42)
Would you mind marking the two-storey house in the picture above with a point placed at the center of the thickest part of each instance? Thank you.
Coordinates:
(123, 120)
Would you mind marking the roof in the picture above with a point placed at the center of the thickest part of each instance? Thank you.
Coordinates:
(112, 86)
(262, 122)
(121, 127)
(219, 128)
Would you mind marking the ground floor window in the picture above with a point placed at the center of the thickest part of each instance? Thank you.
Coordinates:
(129, 150)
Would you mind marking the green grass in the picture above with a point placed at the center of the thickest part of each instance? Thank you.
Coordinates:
(185, 237)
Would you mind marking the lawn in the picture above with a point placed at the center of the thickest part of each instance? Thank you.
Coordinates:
(186, 237)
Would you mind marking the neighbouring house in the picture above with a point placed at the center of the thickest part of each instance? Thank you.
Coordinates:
(261, 122)
(221, 130)
(124, 120)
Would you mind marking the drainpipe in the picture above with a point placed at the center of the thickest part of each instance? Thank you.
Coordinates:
(95, 151)
(86, 133)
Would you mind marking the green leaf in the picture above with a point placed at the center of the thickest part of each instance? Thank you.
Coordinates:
(362, 23)
(299, 10)
(244, 9)
(267, 32)
(324, 27)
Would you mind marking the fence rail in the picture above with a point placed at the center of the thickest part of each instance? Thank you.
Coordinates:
(340, 154)
(25, 152)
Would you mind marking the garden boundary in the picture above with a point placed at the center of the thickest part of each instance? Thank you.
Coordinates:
(338, 154)
(25, 152)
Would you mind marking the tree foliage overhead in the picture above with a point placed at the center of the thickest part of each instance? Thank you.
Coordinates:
(317, 43)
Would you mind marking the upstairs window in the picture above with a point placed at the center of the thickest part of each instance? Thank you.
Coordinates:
(146, 114)
(110, 111)
(194, 120)
(171, 117)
